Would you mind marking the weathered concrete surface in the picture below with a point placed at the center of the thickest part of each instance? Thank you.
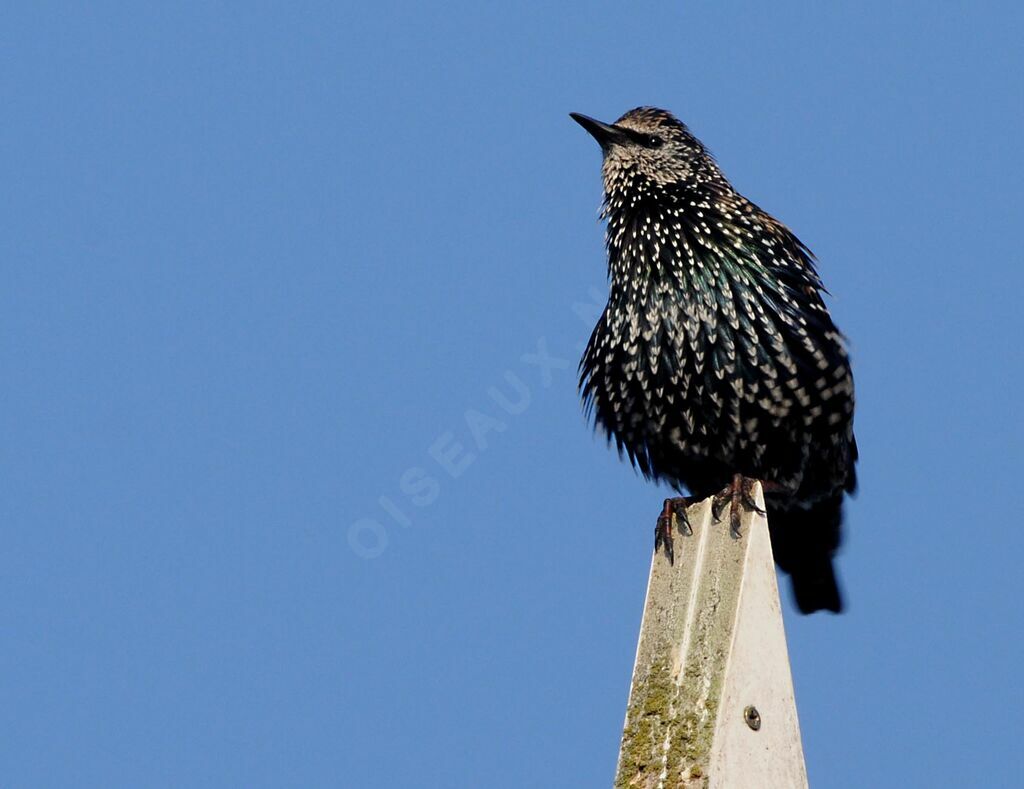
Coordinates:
(711, 646)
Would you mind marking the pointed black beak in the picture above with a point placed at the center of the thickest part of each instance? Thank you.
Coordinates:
(604, 133)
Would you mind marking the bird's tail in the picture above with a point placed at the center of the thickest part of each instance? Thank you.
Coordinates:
(804, 542)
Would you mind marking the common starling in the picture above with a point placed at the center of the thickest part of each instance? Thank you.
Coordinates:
(715, 362)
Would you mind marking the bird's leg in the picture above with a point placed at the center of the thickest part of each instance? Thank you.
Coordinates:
(663, 531)
(738, 494)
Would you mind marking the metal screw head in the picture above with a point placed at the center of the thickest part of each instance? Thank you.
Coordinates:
(752, 717)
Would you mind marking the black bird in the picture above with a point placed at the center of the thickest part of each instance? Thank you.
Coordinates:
(715, 362)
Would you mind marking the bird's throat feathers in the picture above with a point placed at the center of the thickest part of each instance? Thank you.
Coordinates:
(672, 232)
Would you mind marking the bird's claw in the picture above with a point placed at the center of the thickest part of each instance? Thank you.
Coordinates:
(739, 495)
(673, 509)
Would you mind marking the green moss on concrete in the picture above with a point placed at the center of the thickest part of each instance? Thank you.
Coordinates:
(646, 721)
(660, 712)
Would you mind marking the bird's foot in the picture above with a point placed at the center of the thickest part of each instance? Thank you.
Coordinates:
(739, 495)
(672, 509)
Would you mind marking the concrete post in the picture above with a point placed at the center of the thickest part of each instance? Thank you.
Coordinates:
(711, 703)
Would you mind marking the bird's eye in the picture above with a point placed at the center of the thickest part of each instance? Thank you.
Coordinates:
(654, 141)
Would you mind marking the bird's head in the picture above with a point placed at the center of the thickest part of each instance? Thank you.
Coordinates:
(649, 145)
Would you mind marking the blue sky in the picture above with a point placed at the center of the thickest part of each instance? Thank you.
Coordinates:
(296, 487)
